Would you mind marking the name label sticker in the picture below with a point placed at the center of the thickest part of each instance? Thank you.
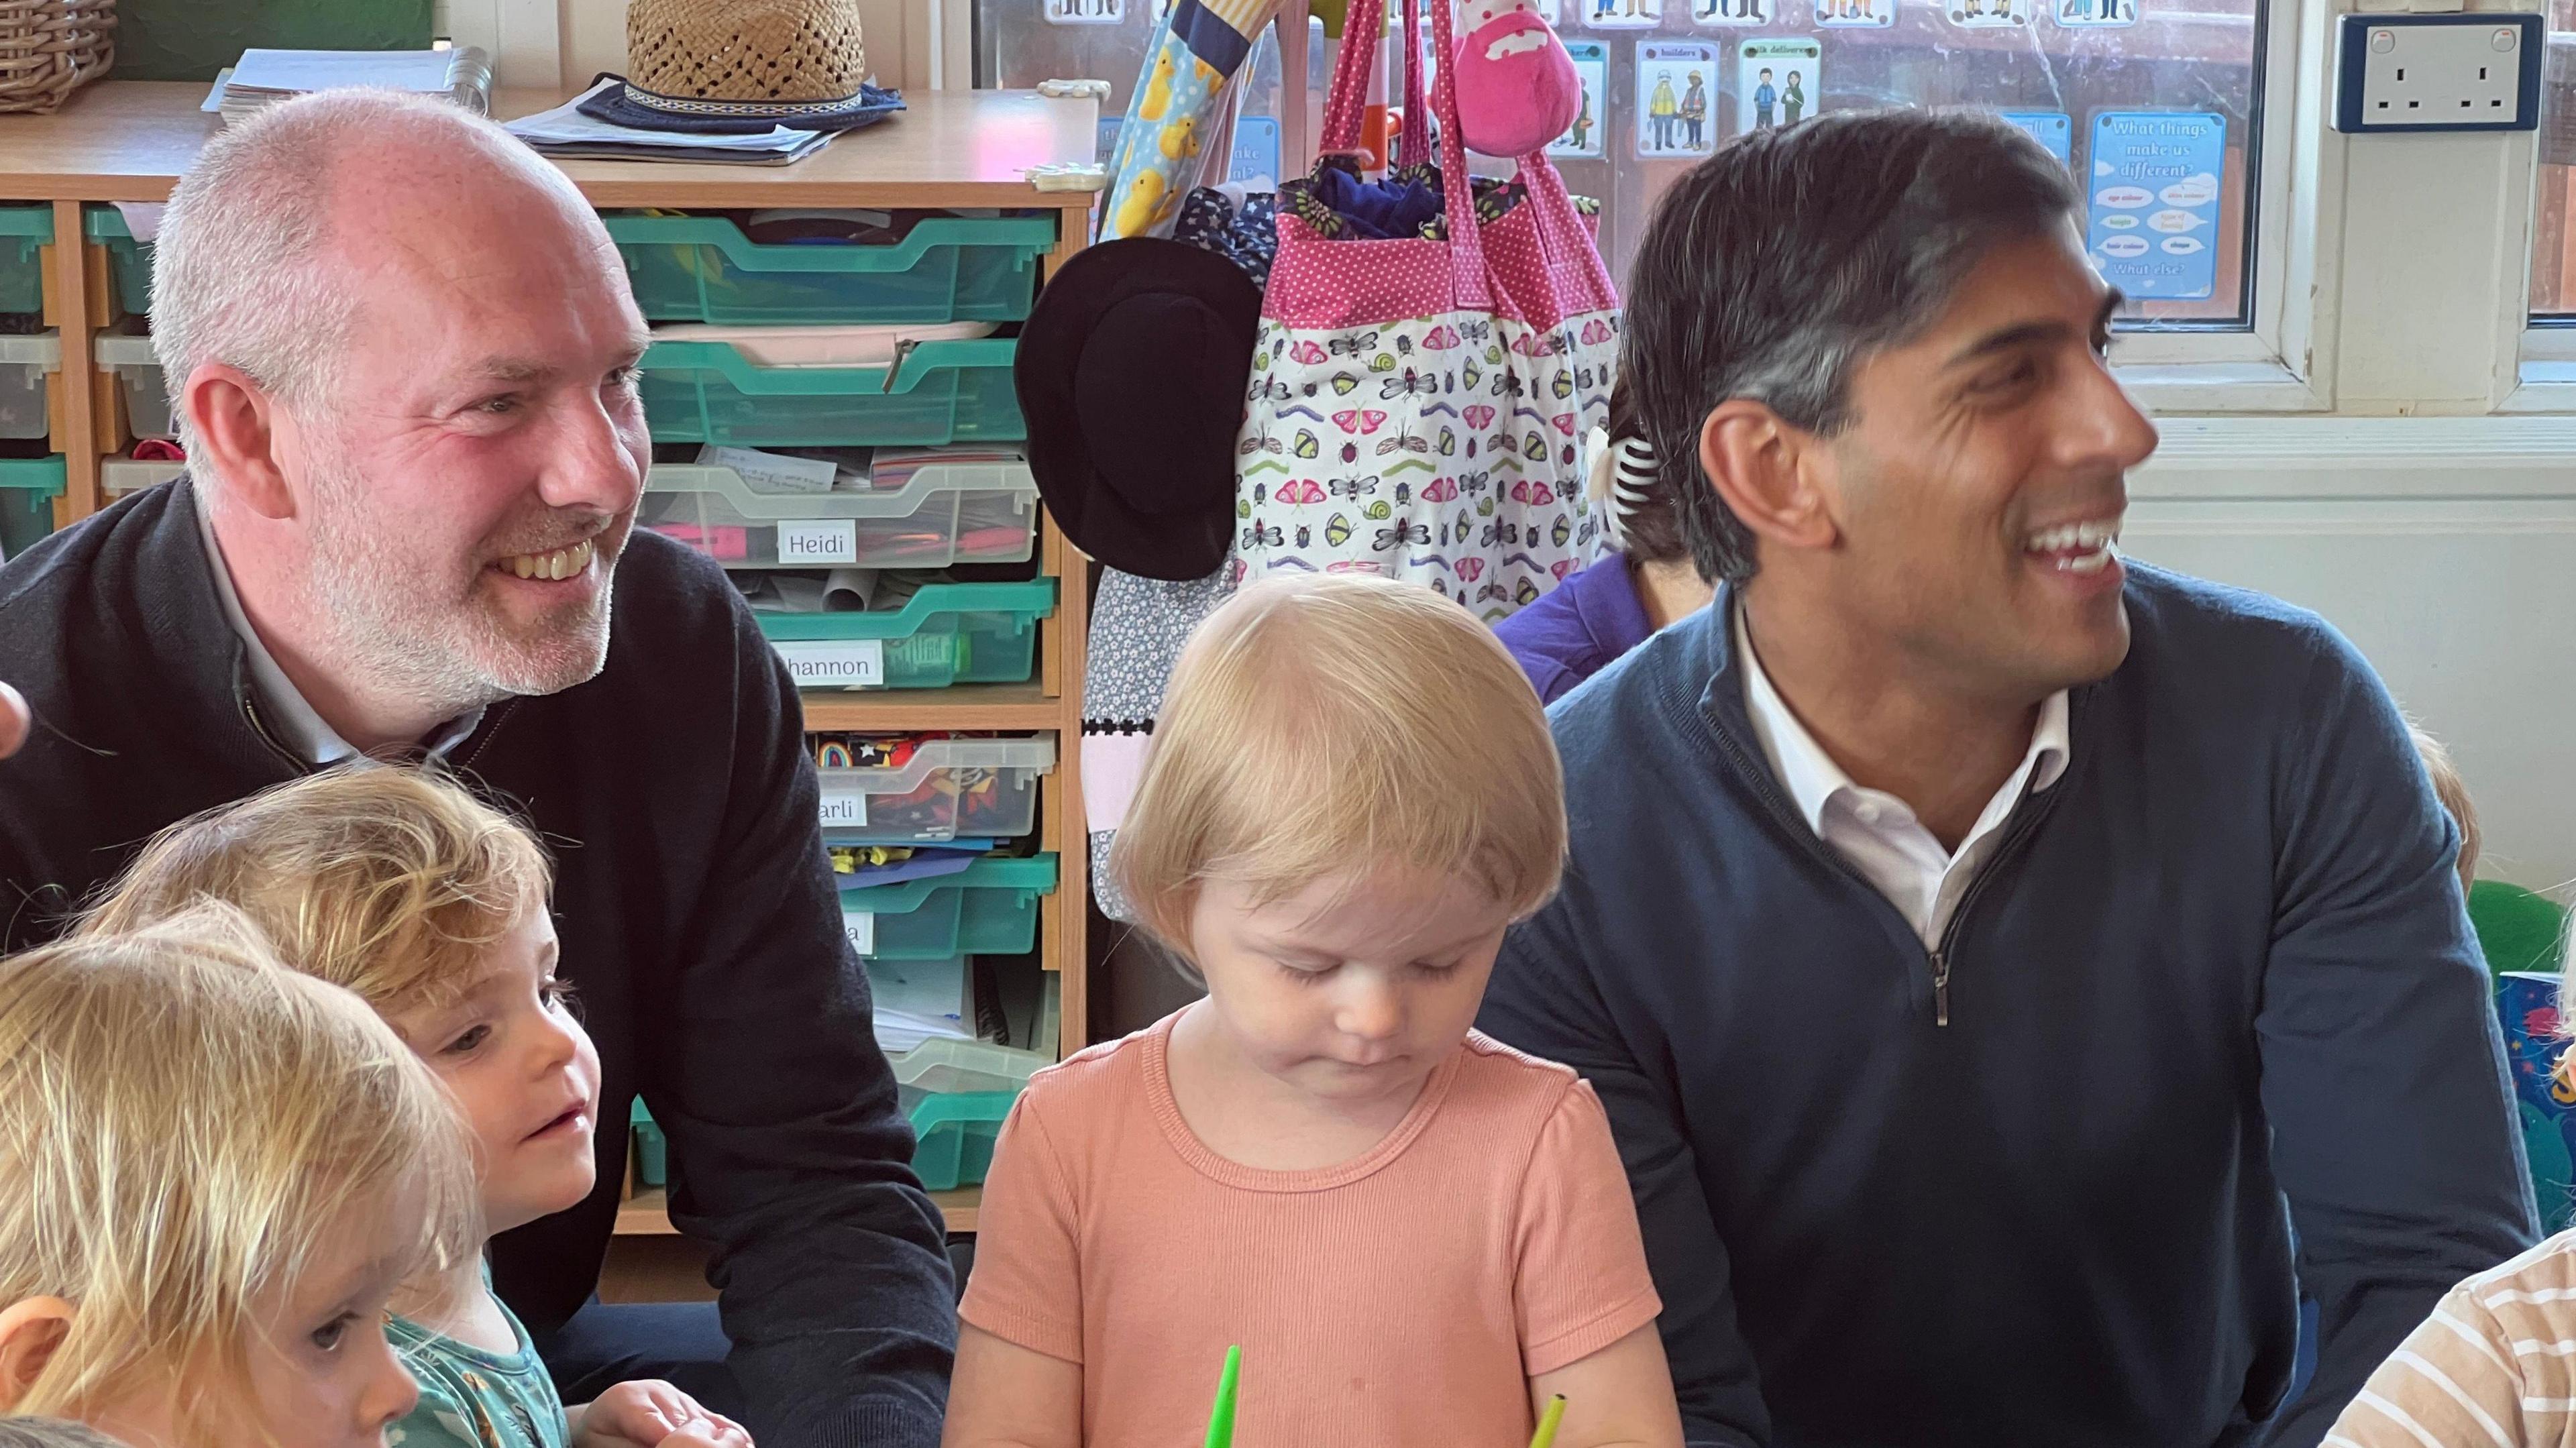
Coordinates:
(834, 663)
(821, 540)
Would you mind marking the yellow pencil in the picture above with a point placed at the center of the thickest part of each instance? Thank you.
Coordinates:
(1547, 1421)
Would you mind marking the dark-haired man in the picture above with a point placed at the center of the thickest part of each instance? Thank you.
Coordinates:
(2014, 976)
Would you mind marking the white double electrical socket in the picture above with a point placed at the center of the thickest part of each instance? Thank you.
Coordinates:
(2440, 72)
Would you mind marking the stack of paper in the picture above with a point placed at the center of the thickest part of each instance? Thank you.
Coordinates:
(565, 131)
(264, 77)
(917, 1000)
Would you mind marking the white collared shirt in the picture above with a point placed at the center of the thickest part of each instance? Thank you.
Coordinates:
(1874, 830)
(292, 721)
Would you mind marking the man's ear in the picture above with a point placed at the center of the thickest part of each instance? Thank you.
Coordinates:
(1764, 470)
(236, 436)
(31, 1329)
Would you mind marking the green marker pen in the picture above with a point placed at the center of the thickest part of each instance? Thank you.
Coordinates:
(1220, 1433)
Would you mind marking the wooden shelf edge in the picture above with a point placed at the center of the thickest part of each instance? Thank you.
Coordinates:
(960, 706)
(648, 1214)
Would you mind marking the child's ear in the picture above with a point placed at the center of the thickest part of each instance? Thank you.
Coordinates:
(31, 1329)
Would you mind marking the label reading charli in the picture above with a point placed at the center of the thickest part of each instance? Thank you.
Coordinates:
(2153, 206)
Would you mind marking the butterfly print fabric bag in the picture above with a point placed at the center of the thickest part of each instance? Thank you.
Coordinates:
(1417, 406)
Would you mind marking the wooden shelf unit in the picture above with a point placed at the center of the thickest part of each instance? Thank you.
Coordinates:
(648, 1212)
(131, 140)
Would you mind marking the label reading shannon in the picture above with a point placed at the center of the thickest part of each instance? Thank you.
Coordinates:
(821, 540)
(845, 809)
(834, 663)
(861, 927)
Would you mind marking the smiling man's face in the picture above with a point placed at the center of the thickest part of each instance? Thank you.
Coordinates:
(473, 465)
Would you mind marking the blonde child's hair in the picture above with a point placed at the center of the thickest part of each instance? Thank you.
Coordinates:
(391, 881)
(52, 1433)
(2453, 792)
(1321, 724)
(186, 1127)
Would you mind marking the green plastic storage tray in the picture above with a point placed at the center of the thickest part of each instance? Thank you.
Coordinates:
(652, 1151)
(955, 1132)
(948, 633)
(941, 392)
(946, 269)
(989, 908)
(24, 232)
(129, 261)
(28, 487)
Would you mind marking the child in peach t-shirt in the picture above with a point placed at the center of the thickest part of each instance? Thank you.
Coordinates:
(1416, 1234)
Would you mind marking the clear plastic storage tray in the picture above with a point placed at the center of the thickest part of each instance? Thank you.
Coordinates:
(990, 908)
(979, 788)
(948, 633)
(120, 476)
(138, 375)
(952, 1066)
(946, 269)
(129, 262)
(945, 513)
(941, 392)
(24, 363)
(25, 231)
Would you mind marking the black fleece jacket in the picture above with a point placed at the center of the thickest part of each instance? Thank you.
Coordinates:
(698, 917)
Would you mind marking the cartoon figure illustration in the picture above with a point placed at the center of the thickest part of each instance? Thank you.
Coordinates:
(1765, 99)
(1694, 112)
(1793, 100)
(1582, 129)
(1661, 109)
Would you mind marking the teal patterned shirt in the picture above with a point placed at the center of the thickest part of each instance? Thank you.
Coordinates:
(470, 1398)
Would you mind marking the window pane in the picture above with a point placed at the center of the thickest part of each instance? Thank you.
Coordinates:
(2167, 93)
(2553, 231)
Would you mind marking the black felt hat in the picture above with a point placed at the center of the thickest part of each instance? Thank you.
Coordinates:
(1131, 374)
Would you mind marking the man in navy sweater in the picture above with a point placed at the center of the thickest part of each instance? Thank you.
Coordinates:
(2015, 977)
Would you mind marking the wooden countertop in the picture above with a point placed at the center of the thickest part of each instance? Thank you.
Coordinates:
(130, 140)
(647, 1213)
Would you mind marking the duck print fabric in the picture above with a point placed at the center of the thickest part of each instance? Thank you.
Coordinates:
(1417, 406)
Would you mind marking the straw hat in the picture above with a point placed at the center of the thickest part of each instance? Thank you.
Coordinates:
(794, 61)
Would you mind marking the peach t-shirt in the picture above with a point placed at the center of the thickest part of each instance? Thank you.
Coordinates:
(1397, 1300)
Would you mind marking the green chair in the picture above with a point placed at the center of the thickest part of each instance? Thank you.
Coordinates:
(2518, 930)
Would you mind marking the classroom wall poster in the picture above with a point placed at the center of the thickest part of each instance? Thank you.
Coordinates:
(1732, 12)
(1850, 14)
(1084, 12)
(1592, 68)
(2153, 201)
(1623, 14)
(1677, 86)
(2053, 129)
(2094, 14)
(1256, 150)
(1988, 14)
(1777, 81)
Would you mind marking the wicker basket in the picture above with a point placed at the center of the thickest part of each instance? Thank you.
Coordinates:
(50, 48)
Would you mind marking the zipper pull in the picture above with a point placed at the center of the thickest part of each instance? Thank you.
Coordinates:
(1940, 989)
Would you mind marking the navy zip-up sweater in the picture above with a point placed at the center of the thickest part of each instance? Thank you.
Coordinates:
(2214, 994)
(699, 923)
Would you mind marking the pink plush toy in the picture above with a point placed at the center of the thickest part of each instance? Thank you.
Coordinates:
(1516, 86)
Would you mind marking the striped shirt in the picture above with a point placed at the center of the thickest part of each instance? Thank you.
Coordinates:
(2494, 1365)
